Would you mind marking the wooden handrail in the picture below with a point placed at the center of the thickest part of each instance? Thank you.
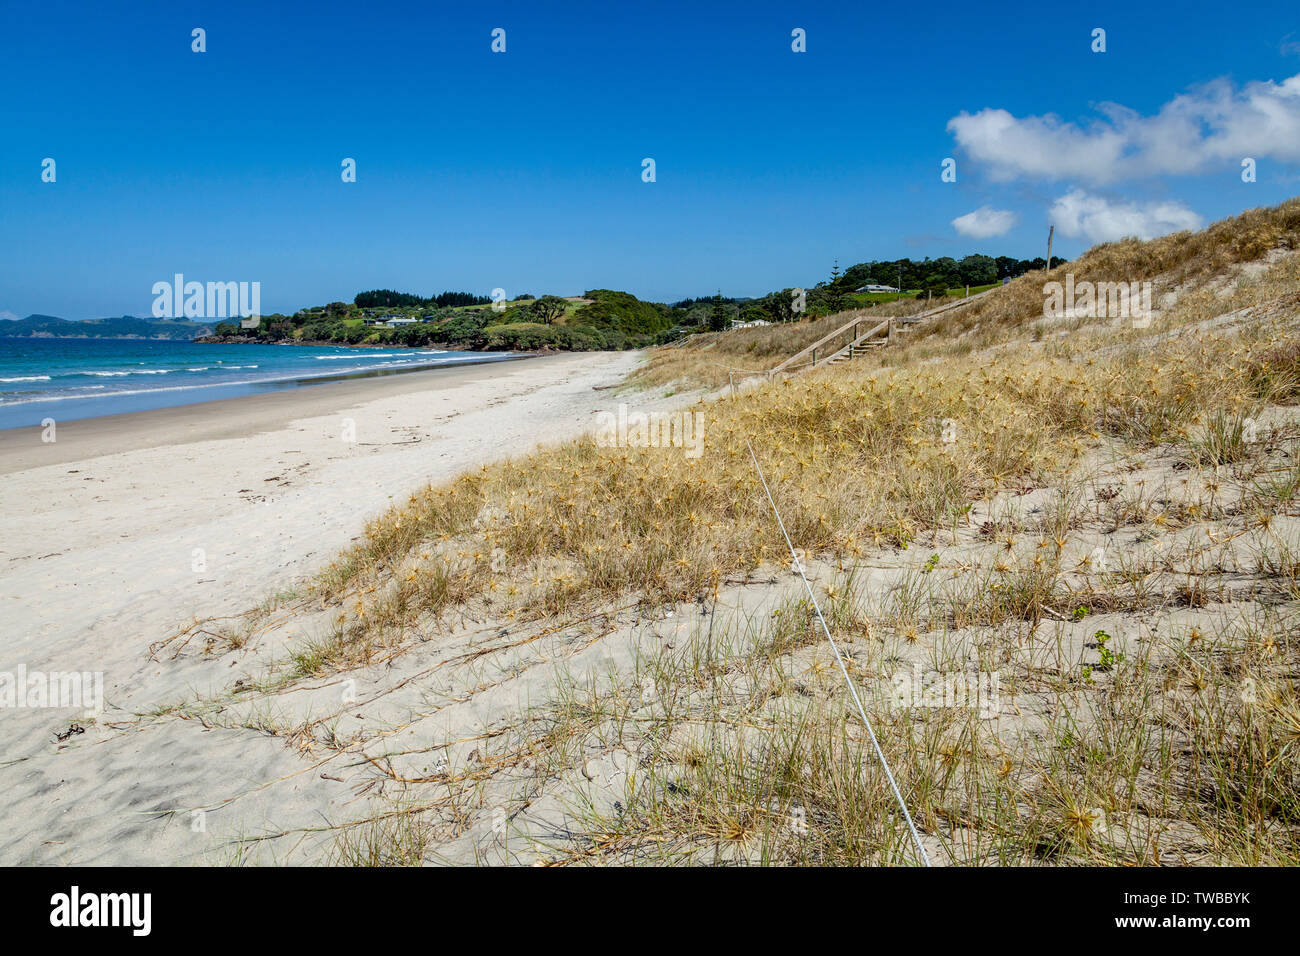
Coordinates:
(861, 339)
(946, 307)
(826, 338)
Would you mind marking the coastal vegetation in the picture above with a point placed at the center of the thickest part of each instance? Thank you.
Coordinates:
(597, 320)
(606, 318)
(1100, 516)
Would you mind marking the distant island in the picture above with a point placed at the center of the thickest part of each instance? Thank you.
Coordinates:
(123, 327)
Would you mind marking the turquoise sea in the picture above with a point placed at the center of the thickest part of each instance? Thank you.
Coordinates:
(67, 379)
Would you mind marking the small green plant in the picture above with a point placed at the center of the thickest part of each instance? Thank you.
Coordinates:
(1108, 657)
(931, 563)
(1080, 613)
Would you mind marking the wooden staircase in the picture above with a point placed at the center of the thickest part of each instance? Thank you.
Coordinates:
(831, 349)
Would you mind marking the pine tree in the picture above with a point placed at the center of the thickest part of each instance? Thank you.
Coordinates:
(835, 299)
(718, 317)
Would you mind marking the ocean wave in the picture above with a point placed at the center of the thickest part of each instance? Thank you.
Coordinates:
(134, 371)
(373, 355)
(279, 376)
(27, 378)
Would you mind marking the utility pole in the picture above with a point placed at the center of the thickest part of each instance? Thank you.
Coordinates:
(1050, 230)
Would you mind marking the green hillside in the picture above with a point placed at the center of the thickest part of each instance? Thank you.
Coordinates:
(123, 327)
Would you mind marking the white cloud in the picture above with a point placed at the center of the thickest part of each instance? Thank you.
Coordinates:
(1210, 126)
(6, 315)
(985, 222)
(1078, 213)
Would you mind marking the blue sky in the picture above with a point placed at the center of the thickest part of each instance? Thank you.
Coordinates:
(522, 170)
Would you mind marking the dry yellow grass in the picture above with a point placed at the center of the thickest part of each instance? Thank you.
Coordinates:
(1174, 261)
(706, 359)
(867, 459)
(857, 455)
(1184, 258)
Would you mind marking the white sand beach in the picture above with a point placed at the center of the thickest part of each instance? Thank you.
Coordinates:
(126, 529)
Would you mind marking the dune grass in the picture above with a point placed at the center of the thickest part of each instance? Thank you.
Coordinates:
(1084, 469)
(859, 460)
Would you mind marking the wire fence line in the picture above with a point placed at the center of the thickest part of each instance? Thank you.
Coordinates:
(839, 659)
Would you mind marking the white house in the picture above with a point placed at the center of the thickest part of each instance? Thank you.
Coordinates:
(877, 288)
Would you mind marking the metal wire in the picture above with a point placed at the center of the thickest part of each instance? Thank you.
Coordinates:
(840, 660)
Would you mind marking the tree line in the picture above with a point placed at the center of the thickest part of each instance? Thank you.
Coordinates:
(932, 275)
(613, 319)
(388, 299)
